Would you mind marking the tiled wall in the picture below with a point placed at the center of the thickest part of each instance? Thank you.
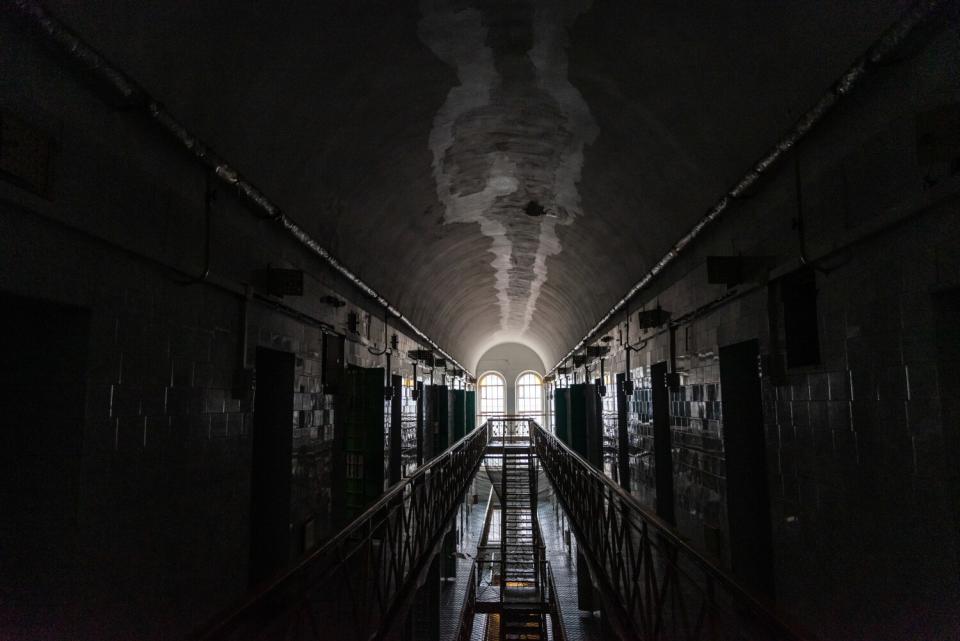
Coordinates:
(862, 498)
(164, 493)
(164, 497)
(640, 433)
(861, 452)
(859, 459)
(162, 513)
(698, 456)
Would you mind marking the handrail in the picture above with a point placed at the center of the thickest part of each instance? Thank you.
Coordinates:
(665, 528)
(468, 607)
(556, 617)
(519, 428)
(656, 586)
(395, 537)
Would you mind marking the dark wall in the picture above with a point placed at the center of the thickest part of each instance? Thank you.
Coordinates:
(155, 450)
(857, 406)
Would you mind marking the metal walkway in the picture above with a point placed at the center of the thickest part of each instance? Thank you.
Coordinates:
(518, 544)
(513, 589)
(652, 585)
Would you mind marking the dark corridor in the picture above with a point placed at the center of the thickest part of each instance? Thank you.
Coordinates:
(286, 288)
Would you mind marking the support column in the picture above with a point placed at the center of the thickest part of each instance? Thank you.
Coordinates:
(662, 442)
(471, 411)
(448, 565)
(561, 411)
(441, 436)
(623, 435)
(425, 613)
(586, 439)
(458, 426)
(420, 432)
(396, 438)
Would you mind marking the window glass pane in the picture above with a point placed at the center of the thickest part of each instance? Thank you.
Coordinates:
(492, 392)
(530, 396)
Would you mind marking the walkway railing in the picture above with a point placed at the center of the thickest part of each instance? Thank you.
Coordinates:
(468, 610)
(359, 584)
(509, 429)
(557, 628)
(654, 586)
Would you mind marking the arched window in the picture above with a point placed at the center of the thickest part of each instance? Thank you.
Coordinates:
(530, 396)
(493, 398)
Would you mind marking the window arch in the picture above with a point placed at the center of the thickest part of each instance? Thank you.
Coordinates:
(492, 395)
(530, 396)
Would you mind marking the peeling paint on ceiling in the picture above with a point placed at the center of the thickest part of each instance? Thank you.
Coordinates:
(411, 136)
(512, 132)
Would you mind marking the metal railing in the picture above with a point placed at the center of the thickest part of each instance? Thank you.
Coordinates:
(359, 584)
(558, 629)
(654, 585)
(510, 429)
(488, 571)
(520, 551)
(468, 610)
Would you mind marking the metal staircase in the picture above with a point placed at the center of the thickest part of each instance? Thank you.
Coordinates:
(522, 625)
(521, 551)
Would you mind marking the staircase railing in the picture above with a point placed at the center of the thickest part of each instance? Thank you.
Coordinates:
(358, 585)
(558, 629)
(468, 609)
(510, 429)
(654, 585)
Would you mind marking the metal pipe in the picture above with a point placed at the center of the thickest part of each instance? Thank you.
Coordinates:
(135, 96)
(878, 53)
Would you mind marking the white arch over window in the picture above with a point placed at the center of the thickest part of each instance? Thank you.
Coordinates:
(529, 387)
(491, 395)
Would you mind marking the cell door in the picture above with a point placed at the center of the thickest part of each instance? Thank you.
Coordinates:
(271, 464)
(748, 503)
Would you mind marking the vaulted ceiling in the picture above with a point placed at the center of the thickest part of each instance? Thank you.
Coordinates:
(415, 140)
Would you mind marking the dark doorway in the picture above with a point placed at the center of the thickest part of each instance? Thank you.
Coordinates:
(43, 350)
(586, 429)
(748, 504)
(270, 474)
(947, 305)
(662, 442)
